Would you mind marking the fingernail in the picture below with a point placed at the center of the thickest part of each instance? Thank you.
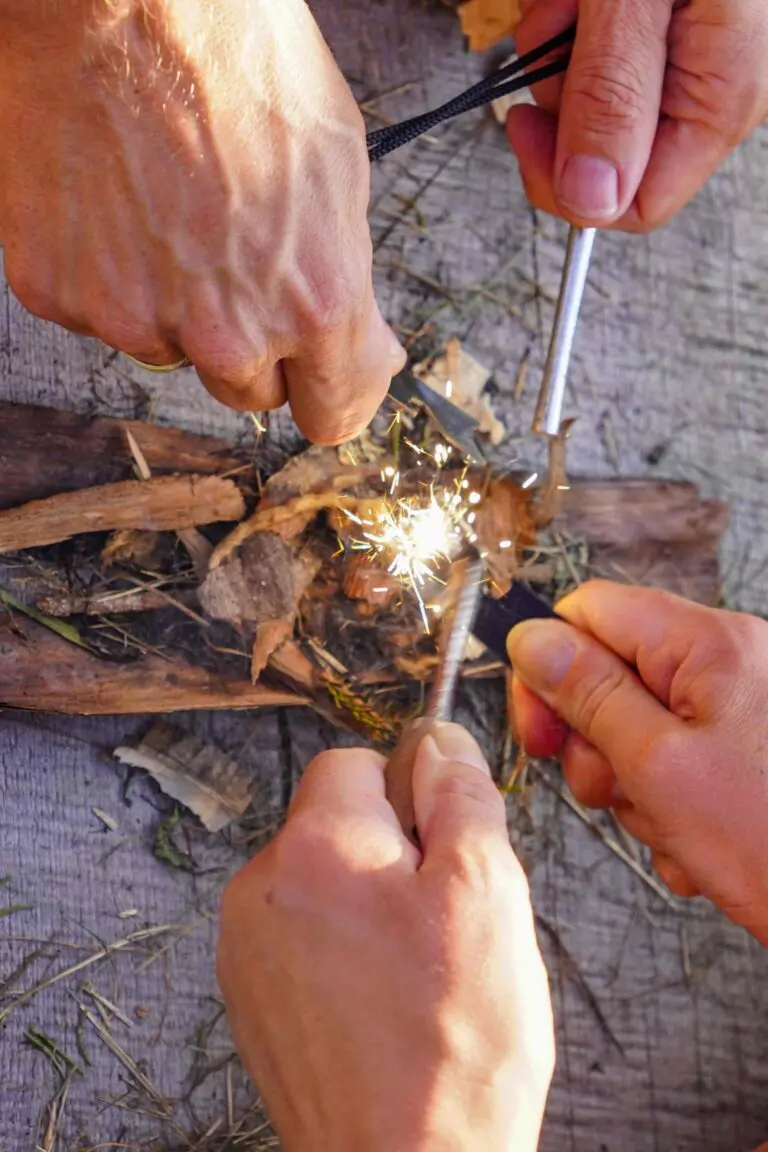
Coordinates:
(589, 186)
(397, 352)
(541, 652)
(452, 742)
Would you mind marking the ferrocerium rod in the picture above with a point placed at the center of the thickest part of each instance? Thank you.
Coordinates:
(549, 409)
(440, 702)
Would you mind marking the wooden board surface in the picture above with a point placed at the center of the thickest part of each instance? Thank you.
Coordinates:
(669, 381)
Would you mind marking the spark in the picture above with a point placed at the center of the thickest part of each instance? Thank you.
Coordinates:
(258, 425)
(448, 389)
(531, 480)
(505, 544)
(416, 536)
(474, 497)
(441, 454)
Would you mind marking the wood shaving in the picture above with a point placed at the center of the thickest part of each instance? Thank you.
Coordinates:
(200, 776)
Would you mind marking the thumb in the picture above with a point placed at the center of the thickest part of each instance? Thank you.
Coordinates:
(590, 688)
(610, 108)
(457, 804)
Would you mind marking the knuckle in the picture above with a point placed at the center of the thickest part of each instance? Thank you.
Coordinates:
(129, 333)
(337, 296)
(609, 90)
(594, 694)
(730, 643)
(473, 787)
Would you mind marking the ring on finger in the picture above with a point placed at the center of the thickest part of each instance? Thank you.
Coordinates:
(184, 362)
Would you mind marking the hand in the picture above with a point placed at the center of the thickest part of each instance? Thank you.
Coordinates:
(656, 96)
(190, 177)
(679, 748)
(384, 998)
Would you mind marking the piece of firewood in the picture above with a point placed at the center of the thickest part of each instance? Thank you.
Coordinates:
(41, 672)
(625, 512)
(165, 503)
(652, 532)
(44, 452)
(112, 603)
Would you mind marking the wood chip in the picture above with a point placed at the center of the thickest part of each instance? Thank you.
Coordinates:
(200, 776)
(162, 504)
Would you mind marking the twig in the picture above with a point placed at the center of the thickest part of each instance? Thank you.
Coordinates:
(612, 845)
(107, 1005)
(126, 1060)
(579, 980)
(94, 958)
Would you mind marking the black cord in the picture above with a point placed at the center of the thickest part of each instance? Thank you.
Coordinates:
(511, 78)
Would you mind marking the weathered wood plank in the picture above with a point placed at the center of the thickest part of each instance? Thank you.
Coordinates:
(163, 504)
(44, 451)
(626, 512)
(43, 673)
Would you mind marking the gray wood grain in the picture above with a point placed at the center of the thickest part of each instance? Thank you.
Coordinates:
(669, 380)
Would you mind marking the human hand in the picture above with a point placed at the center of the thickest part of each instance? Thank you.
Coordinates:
(190, 177)
(384, 997)
(656, 96)
(679, 748)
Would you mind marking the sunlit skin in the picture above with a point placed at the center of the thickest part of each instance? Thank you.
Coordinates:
(191, 177)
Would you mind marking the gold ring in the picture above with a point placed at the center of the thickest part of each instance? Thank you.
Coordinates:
(183, 363)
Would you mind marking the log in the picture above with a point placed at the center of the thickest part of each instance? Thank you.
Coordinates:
(658, 533)
(43, 673)
(165, 503)
(44, 452)
(624, 512)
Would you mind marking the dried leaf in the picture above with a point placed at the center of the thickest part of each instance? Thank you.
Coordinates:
(485, 22)
(269, 636)
(373, 587)
(289, 661)
(198, 775)
(503, 526)
(130, 546)
(263, 580)
(462, 379)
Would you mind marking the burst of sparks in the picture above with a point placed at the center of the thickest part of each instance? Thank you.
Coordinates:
(416, 538)
(417, 535)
